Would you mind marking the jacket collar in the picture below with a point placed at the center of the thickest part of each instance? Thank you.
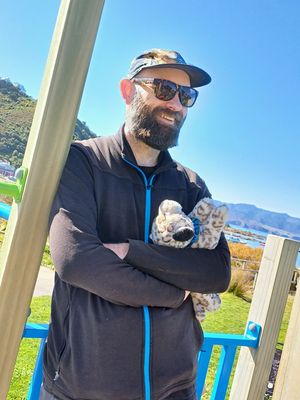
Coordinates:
(165, 160)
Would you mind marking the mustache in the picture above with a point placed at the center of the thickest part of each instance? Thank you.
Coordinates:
(172, 114)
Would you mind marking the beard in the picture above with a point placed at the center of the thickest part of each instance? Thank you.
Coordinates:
(142, 123)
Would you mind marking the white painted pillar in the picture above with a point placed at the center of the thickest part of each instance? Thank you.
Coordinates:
(287, 384)
(268, 304)
(45, 155)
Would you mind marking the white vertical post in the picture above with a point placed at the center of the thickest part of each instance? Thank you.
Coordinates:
(287, 381)
(45, 155)
(268, 303)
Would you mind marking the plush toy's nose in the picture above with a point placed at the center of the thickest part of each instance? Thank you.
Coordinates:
(183, 234)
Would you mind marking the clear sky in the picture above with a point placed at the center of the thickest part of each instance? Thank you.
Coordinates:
(243, 135)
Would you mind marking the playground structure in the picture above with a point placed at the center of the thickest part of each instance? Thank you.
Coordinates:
(49, 139)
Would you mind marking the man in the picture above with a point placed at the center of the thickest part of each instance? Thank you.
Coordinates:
(122, 323)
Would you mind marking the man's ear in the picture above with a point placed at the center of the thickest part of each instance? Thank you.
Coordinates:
(127, 89)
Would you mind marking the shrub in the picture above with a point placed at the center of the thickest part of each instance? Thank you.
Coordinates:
(252, 256)
(241, 284)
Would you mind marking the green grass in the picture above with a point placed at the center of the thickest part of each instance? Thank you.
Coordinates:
(231, 318)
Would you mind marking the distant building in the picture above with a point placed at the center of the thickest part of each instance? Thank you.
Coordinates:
(6, 169)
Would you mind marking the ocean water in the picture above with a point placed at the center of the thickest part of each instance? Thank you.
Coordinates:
(258, 241)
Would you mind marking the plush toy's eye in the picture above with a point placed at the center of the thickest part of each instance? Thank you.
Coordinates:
(170, 228)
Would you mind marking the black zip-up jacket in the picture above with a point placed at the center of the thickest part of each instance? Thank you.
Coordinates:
(120, 329)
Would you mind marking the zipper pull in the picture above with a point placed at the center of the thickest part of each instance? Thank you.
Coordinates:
(56, 375)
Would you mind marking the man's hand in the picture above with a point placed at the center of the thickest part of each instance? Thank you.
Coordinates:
(120, 249)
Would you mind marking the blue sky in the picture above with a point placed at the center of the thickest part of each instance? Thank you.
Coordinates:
(243, 135)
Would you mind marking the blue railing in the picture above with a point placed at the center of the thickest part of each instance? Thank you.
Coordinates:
(229, 344)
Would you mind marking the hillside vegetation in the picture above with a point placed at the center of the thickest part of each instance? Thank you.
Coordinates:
(16, 114)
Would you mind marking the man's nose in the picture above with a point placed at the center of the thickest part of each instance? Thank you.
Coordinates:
(175, 104)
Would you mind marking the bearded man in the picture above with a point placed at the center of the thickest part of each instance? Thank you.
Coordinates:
(122, 321)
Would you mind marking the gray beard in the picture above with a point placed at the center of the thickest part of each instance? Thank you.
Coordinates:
(142, 124)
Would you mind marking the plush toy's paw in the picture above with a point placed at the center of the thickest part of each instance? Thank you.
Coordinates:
(199, 313)
(213, 219)
(210, 301)
(172, 227)
(205, 302)
(199, 308)
(218, 217)
(202, 210)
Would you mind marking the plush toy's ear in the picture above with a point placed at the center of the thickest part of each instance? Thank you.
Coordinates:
(169, 207)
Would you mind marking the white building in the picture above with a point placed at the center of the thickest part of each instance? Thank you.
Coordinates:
(6, 169)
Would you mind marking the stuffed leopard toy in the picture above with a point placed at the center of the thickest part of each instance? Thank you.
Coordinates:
(200, 229)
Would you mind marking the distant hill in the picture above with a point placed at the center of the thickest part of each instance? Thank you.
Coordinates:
(16, 114)
(249, 216)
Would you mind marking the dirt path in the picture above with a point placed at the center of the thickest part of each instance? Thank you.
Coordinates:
(44, 283)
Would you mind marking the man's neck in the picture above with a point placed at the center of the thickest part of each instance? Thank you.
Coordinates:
(145, 155)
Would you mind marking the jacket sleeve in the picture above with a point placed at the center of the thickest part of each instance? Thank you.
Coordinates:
(79, 257)
(197, 270)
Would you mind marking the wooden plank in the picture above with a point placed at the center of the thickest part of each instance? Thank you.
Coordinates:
(269, 299)
(287, 383)
(45, 155)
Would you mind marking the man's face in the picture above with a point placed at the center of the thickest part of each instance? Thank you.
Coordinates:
(155, 122)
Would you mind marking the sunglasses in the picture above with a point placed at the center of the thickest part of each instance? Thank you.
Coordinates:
(166, 90)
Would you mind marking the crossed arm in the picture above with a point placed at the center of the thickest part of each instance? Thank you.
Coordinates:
(197, 270)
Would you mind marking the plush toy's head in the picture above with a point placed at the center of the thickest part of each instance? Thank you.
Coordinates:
(201, 228)
(172, 227)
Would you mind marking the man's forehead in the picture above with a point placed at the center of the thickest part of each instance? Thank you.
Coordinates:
(172, 74)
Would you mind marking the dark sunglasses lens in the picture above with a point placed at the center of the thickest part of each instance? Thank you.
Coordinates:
(187, 96)
(165, 90)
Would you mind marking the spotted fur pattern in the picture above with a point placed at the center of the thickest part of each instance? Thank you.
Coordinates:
(173, 228)
(212, 221)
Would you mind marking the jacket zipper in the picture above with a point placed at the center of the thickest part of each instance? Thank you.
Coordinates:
(147, 322)
(146, 309)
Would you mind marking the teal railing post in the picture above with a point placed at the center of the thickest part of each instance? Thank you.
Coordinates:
(229, 344)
